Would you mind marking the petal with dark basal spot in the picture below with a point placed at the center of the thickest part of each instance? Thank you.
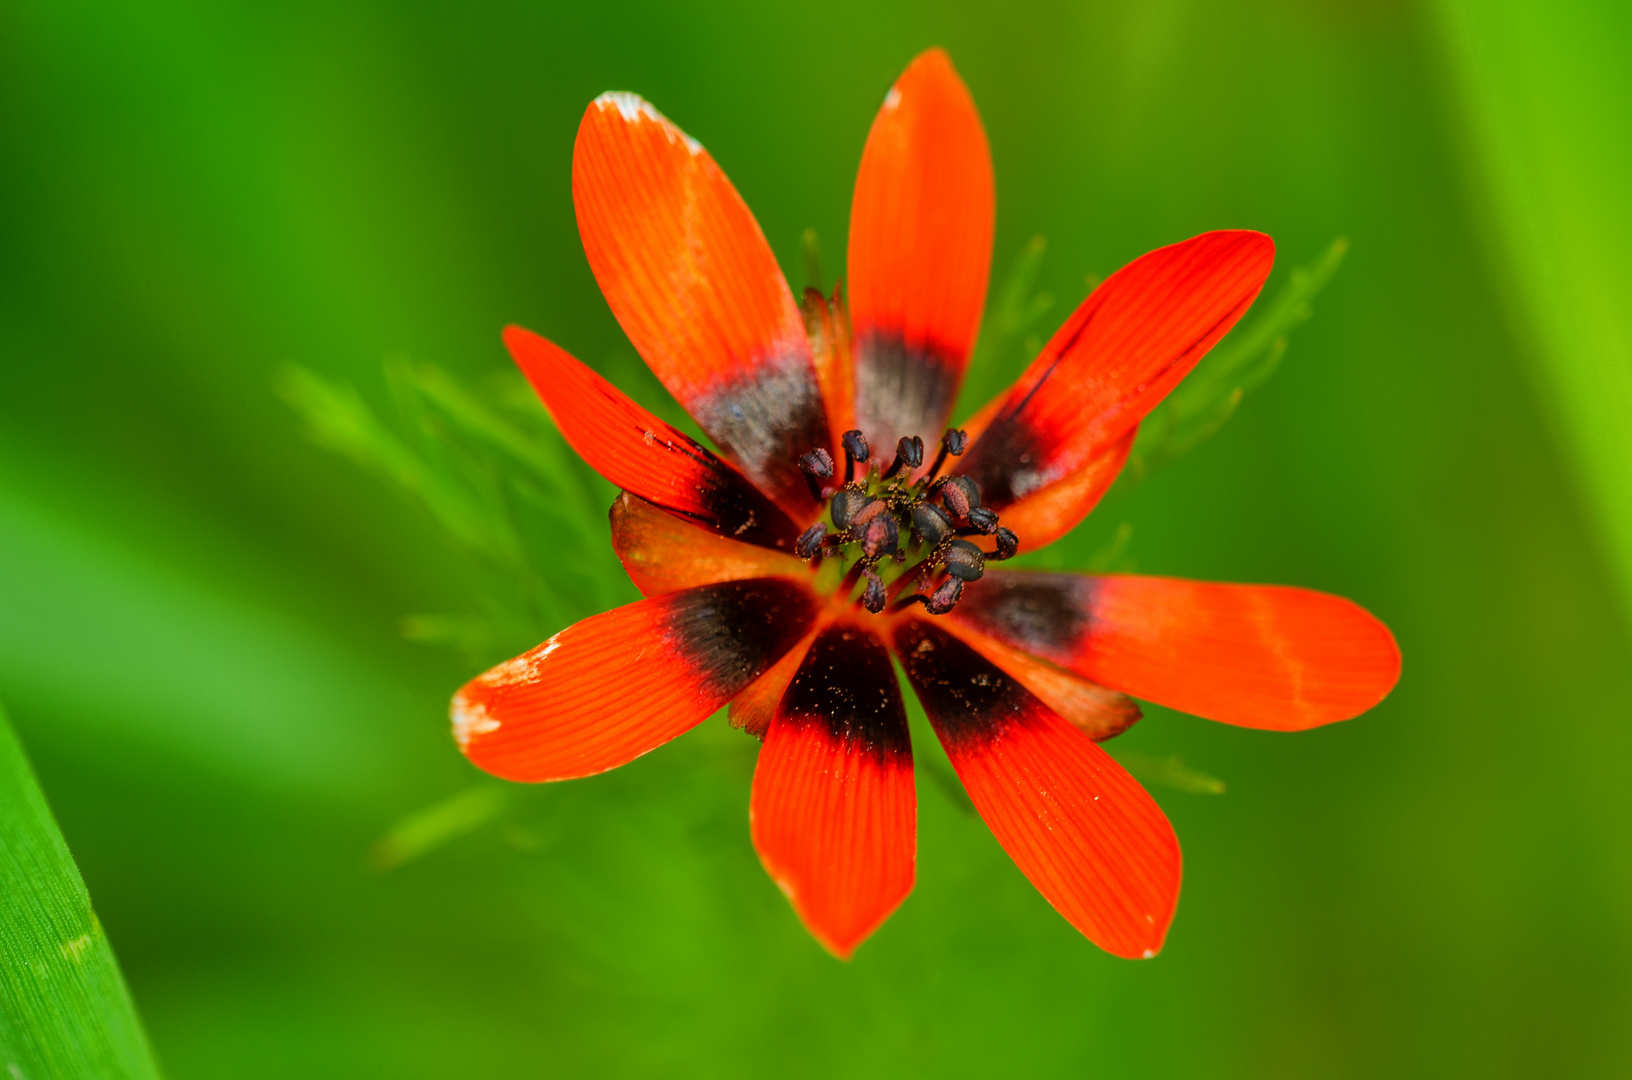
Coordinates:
(920, 252)
(663, 553)
(1262, 656)
(693, 283)
(616, 685)
(1091, 840)
(834, 812)
(1094, 710)
(1115, 358)
(640, 453)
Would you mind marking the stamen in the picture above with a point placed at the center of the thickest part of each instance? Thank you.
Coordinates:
(872, 598)
(852, 576)
(817, 465)
(945, 598)
(964, 560)
(809, 544)
(868, 512)
(954, 442)
(930, 524)
(847, 503)
(855, 449)
(909, 453)
(880, 537)
(1007, 545)
(870, 517)
(960, 495)
(899, 585)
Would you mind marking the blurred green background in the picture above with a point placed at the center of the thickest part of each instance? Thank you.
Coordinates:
(200, 611)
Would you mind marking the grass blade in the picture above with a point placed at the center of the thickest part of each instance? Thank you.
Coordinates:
(64, 1008)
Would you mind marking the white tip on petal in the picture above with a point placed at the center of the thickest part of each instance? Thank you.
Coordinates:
(470, 719)
(635, 108)
(892, 99)
(630, 105)
(522, 669)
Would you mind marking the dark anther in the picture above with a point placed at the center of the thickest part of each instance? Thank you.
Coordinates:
(817, 465)
(954, 442)
(1007, 544)
(930, 524)
(965, 560)
(855, 449)
(983, 519)
(846, 505)
(880, 536)
(945, 598)
(872, 598)
(908, 453)
(867, 513)
(810, 541)
(817, 462)
(960, 495)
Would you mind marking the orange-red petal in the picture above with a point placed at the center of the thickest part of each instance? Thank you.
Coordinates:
(616, 685)
(920, 252)
(1115, 358)
(753, 709)
(662, 553)
(834, 814)
(692, 281)
(640, 453)
(1091, 840)
(827, 324)
(1262, 656)
(1044, 516)
(1093, 710)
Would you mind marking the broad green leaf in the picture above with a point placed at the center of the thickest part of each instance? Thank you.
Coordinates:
(64, 1008)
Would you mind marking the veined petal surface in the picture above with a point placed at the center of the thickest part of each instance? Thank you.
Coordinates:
(688, 274)
(640, 453)
(616, 685)
(1114, 359)
(1092, 709)
(1262, 656)
(663, 553)
(920, 252)
(834, 814)
(1091, 840)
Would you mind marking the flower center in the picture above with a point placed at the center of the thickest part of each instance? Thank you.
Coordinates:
(886, 540)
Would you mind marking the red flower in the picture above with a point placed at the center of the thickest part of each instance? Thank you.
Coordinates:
(782, 581)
